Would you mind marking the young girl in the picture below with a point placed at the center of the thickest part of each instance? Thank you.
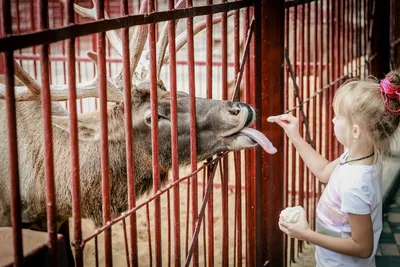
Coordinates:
(349, 212)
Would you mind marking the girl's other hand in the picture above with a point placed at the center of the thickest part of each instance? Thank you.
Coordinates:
(298, 230)
(289, 123)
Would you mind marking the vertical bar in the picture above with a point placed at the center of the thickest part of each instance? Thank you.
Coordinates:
(129, 137)
(269, 31)
(293, 148)
(336, 63)
(174, 138)
(154, 136)
(308, 94)
(321, 84)
(209, 74)
(193, 152)
(76, 208)
(15, 196)
(286, 153)
(237, 155)
(106, 200)
(224, 188)
(381, 39)
(251, 187)
(317, 67)
(48, 138)
(33, 27)
(327, 93)
(301, 119)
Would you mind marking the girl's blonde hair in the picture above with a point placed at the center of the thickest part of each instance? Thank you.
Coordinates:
(365, 103)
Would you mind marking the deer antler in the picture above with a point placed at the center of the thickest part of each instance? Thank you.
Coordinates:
(136, 43)
(31, 90)
(181, 40)
(91, 13)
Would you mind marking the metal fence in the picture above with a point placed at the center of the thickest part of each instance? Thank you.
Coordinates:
(327, 42)
(223, 211)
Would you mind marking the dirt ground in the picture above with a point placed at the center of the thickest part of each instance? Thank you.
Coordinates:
(144, 253)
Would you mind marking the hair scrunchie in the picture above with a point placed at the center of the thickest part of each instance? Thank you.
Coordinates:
(389, 91)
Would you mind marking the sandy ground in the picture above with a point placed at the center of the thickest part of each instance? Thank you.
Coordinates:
(144, 253)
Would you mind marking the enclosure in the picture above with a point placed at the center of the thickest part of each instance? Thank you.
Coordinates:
(278, 56)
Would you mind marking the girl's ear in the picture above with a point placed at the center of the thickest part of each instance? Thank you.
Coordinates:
(356, 132)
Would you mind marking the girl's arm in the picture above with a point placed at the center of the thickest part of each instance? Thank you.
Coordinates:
(360, 244)
(318, 165)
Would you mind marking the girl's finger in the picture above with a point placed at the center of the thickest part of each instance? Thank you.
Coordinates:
(287, 117)
(280, 123)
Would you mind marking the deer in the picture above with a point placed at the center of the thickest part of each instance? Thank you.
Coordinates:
(221, 125)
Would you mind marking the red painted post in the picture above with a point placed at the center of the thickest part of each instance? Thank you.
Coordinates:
(76, 205)
(129, 141)
(269, 84)
(174, 139)
(154, 136)
(105, 173)
(209, 71)
(381, 39)
(48, 137)
(6, 22)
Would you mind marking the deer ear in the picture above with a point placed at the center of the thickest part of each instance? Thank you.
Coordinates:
(85, 130)
(140, 93)
(161, 85)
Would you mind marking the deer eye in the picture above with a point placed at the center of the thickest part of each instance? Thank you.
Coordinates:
(160, 117)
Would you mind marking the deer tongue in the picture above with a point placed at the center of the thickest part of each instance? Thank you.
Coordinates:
(260, 138)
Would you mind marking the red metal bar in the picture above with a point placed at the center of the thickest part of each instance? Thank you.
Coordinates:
(76, 208)
(106, 198)
(225, 177)
(308, 107)
(154, 136)
(316, 133)
(12, 139)
(293, 149)
(33, 27)
(149, 235)
(129, 137)
(193, 144)
(62, 33)
(250, 158)
(169, 226)
(196, 229)
(381, 39)
(301, 118)
(209, 88)
(237, 155)
(48, 138)
(286, 153)
(126, 243)
(335, 61)
(268, 77)
(174, 138)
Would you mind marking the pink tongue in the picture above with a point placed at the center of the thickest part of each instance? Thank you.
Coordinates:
(260, 138)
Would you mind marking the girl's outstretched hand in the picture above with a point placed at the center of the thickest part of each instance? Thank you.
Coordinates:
(298, 230)
(289, 123)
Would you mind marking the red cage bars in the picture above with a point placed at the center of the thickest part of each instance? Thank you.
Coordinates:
(340, 33)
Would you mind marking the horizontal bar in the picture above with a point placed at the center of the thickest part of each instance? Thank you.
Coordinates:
(297, 3)
(108, 59)
(14, 42)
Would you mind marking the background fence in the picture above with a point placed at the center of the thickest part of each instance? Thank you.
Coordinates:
(306, 48)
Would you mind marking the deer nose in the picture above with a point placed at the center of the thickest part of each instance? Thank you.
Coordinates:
(235, 109)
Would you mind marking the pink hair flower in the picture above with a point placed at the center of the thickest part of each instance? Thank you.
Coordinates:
(389, 89)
